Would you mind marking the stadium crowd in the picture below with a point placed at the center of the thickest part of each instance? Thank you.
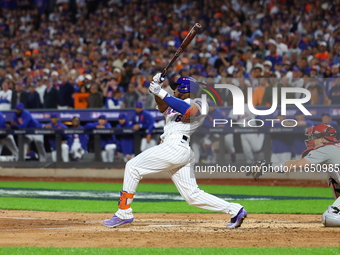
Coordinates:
(53, 50)
(53, 54)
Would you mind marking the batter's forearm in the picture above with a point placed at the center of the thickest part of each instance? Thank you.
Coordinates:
(162, 105)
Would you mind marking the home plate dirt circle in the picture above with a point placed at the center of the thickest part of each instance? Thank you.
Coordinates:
(60, 229)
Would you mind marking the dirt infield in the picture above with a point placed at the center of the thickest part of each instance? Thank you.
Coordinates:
(44, 229)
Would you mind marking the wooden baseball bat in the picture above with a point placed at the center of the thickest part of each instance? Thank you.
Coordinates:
(191, 35)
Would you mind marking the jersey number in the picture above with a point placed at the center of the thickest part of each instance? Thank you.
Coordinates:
(178, 118)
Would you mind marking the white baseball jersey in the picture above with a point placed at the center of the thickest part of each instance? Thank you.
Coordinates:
(176, 123)
(175, 157)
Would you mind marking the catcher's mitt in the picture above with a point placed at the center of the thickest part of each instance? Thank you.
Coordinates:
(257, 169)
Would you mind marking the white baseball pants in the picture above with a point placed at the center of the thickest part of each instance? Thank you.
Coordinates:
(64, 153)
(39, 143)
(174, 156)
(9, 142)
(229, 143)
(108, 155)
(251, 143)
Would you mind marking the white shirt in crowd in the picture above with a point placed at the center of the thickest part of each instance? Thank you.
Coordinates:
(8, 96)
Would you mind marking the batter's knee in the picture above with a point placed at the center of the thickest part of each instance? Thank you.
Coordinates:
(131, 165)
(131, 170)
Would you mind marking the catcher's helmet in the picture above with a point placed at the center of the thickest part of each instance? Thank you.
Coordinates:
(186, 85)
(322, 130)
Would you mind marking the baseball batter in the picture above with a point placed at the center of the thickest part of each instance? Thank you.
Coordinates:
(322, 154)
(183, 116)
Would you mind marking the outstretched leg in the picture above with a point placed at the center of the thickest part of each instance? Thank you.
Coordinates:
(185, 181)
(156, 159)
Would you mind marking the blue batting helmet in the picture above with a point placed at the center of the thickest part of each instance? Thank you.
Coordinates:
(186, 85)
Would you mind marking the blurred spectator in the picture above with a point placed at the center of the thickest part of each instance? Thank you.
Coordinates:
(125, 143)
(114, 99)
(322, 54)
(41, 87)
(5, 97)
(120, 61)
(273, 56)
(108, 142)
(23, 119)
(8, 140)
(331, 82)
(258, 93)
(318, 93)
(143, 120)
(55, 79)
(66, 91)
(282, 48)
(46, 42)
(18, 95)
(297, 81)
(65, 138)
(145, 97)
(51, 95)
(334, 94)
(2, 74)
(95, 100)
(32, 98)
(78, 142)
(131, 96)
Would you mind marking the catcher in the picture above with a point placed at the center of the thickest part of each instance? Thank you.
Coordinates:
(322, 154)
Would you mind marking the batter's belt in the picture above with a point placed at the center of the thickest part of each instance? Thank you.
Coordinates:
(177, 136)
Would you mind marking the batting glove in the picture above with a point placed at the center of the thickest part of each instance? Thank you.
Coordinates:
(257, 169)
(158, 78)
(156, 89)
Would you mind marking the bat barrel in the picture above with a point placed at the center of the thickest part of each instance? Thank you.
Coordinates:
(194, 30)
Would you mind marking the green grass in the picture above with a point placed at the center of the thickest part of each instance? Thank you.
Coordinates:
(272, 206)
(147, 251)
(146, 187)
(59, 205)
